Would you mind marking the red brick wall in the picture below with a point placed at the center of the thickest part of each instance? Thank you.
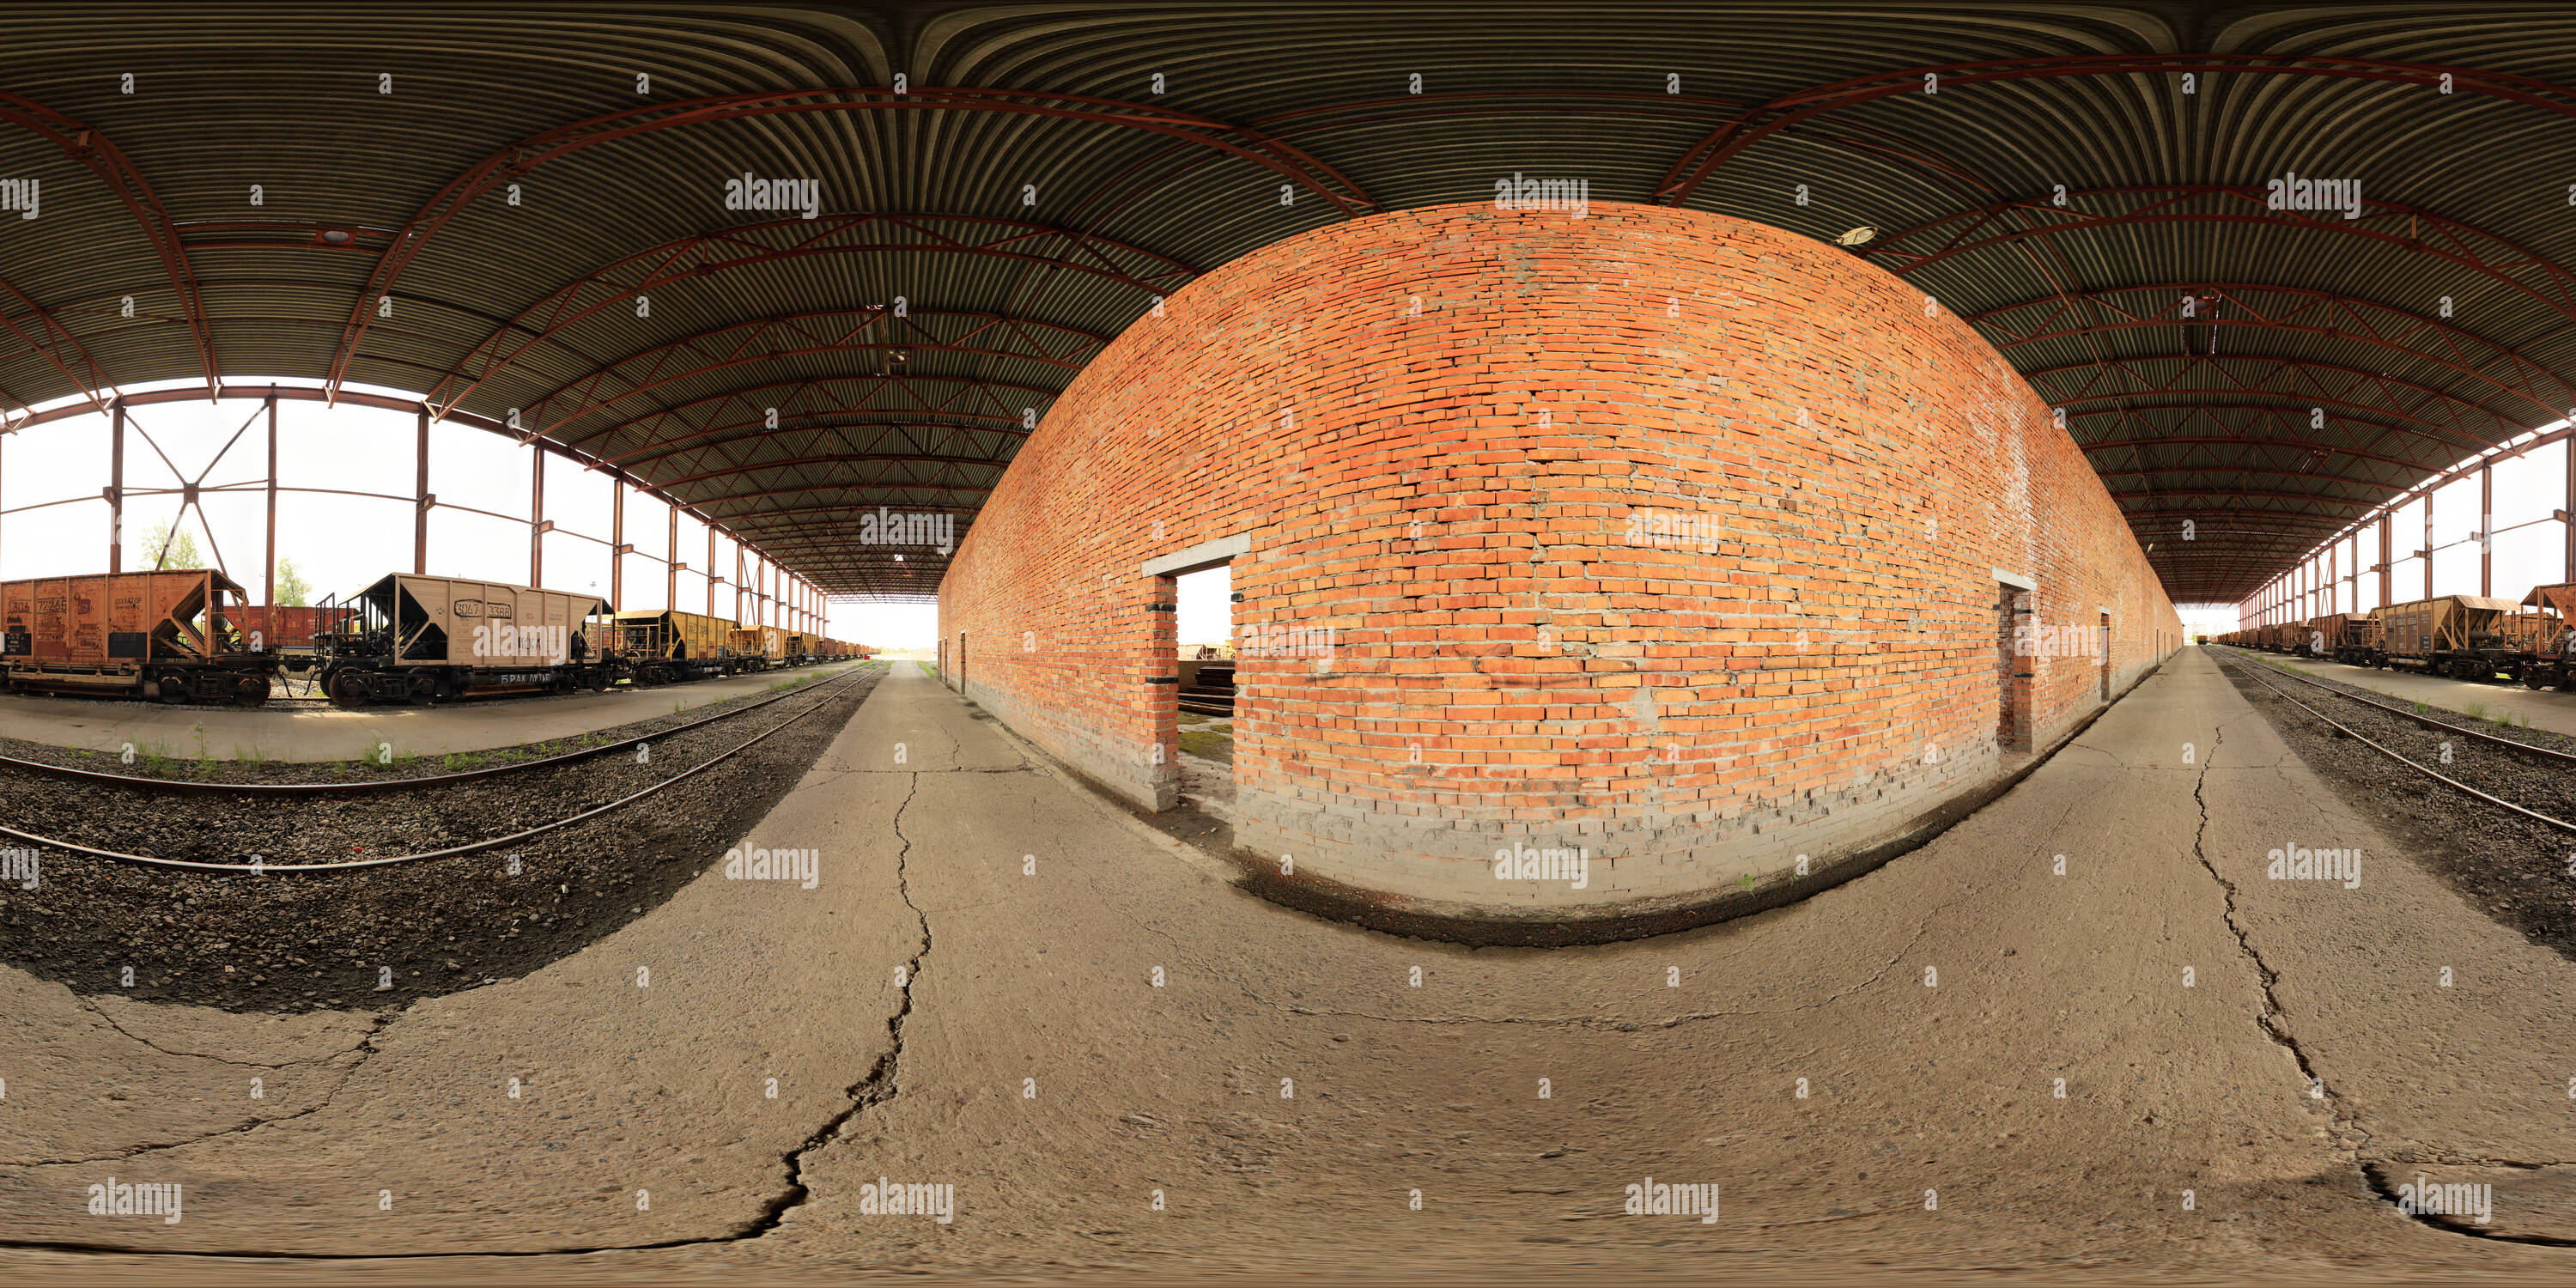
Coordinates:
(1438, 428)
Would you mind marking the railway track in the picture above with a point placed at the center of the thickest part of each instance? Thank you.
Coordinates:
(823, 696)
(2404, 714)
(2256, 674)
(190, 787)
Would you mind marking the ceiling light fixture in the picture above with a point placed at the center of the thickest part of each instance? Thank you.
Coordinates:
(1857, 237)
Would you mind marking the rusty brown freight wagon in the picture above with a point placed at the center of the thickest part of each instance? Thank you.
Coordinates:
(659, 647)
(2358, 641)
(2461, 636)
(2544, 638)
(137, 634)
(425, 639)
(758, 648)
(2322, 636)
(276, 627)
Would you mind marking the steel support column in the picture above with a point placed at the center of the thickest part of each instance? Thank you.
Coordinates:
(537, 519)
(2486, 527)
(2386, 573)
(269, 548)
(616, 544)
(2428, 545)
(420, 501)
(671, 560)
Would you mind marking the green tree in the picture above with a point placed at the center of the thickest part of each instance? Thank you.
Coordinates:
(292, 589)
(165, 549)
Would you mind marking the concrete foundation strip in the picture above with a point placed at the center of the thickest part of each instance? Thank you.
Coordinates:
(467, 848)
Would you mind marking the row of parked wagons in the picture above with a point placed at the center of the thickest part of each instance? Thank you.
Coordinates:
(2466, 637)
(188, 635)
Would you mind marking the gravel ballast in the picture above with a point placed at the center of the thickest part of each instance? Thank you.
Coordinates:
(285, 941)
(2511, 868)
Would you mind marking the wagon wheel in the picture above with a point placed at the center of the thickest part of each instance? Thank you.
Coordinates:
(347, 689)
(251, 690)
(2535, 677)
(174, 688)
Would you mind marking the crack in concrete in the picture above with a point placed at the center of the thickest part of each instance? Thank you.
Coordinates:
(2269, 1019)
(92, 1007)
(2379, 1184)
(363, 1049)
(875, 1088)
(879, 1084)
(2347, 1123)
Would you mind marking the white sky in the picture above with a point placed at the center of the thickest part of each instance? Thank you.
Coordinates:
(2528, 547)
(1207, 606)
(343, 543)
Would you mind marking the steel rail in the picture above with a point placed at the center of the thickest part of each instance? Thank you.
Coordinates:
(2354, 734)
(470, 847)
(2402, 713)
(184, 786)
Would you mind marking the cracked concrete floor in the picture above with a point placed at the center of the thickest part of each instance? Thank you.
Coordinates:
(968, 998)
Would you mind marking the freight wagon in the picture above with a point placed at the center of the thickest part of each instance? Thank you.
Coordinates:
(278, 628)
(2545, 638)
(157, 634)
(2358, 643)
(757, 648)
(660, 647)
(2323, 636)
(2461, 636)
(413, 638)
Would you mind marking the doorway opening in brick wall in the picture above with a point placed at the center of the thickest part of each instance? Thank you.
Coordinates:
(960, 681)
(1203, 694)
(2012, 668)
(2103, 656)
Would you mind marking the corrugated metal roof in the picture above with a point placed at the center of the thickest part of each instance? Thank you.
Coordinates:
(497, 173)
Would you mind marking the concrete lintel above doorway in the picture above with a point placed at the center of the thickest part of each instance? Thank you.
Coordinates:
(1204, 555)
